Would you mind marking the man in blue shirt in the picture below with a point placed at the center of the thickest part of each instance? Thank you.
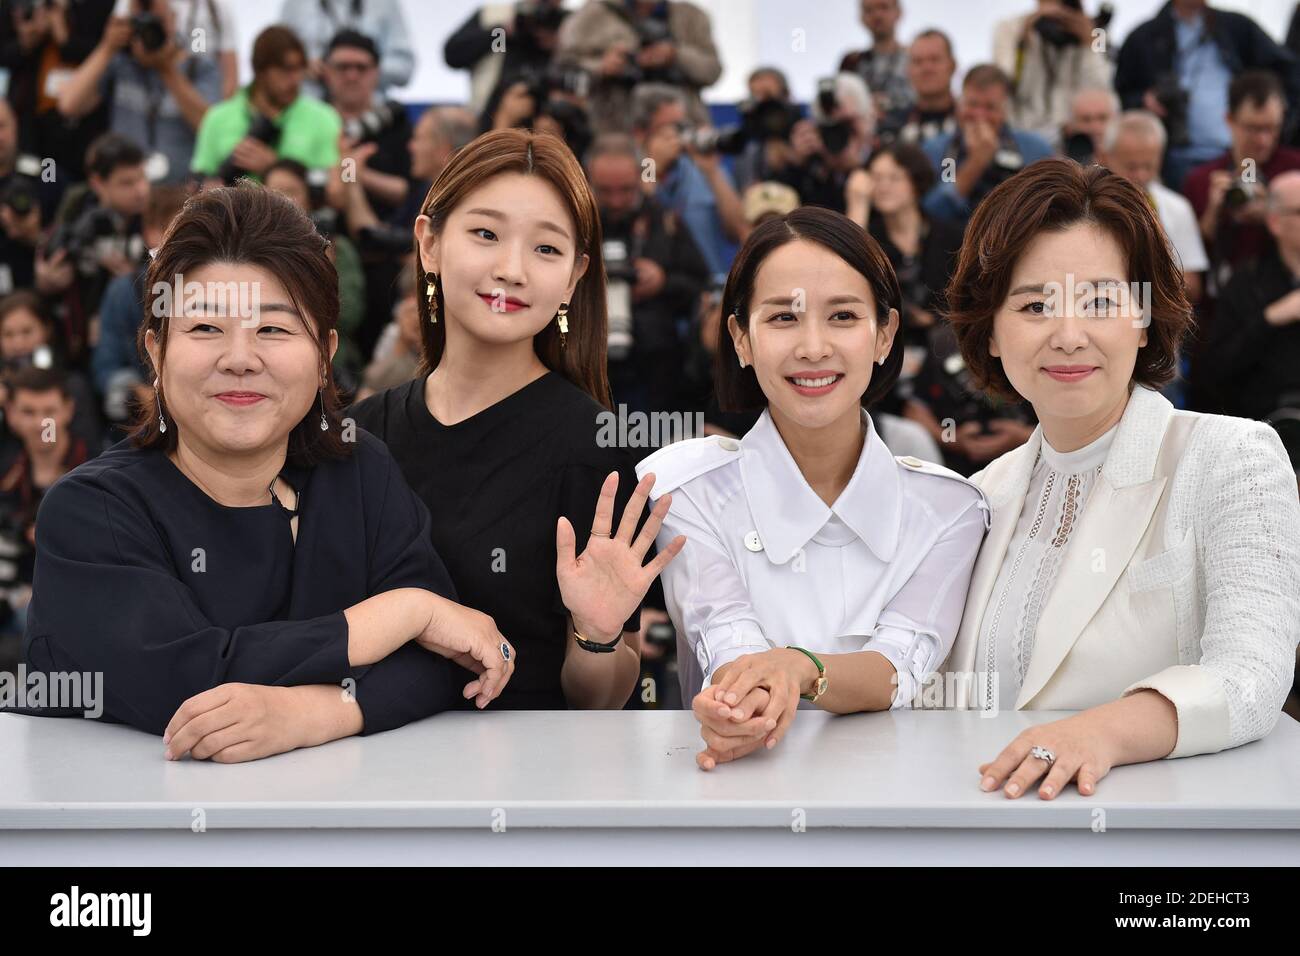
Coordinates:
(983, 152)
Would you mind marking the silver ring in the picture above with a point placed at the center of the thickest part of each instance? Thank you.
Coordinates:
(505, 652)
(1042, 753)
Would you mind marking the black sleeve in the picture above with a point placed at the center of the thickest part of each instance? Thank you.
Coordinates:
(106, 599)
(1236, 336)
(688, 272)
(469, 44)
(411, 683)
(579, 489)
(1130, 70)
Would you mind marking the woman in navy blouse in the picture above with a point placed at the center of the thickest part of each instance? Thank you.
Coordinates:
(248, 575)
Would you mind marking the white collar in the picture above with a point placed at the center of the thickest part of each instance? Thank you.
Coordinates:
(789, 513)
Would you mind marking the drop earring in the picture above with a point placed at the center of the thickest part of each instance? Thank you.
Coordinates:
(162, 422)
(562, 320)
(431, 292)
(324, 422)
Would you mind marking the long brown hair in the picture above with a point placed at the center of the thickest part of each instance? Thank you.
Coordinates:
(582, 359)
(248, 224)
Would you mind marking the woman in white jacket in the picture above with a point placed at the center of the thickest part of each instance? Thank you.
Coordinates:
(1143, 563)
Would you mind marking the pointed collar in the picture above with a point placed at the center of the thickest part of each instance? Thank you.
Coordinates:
(788, 513)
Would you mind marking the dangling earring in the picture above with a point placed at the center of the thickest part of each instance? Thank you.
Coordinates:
(431, 279)
(162, 422)
(562, 319)
(324, 422)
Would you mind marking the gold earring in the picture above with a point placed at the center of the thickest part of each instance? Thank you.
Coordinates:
(562, 320)
(431, 279)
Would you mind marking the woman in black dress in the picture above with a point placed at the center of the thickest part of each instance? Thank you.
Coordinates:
(248, 576)
(506, 433)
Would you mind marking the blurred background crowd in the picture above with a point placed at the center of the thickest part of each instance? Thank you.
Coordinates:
(114, 111)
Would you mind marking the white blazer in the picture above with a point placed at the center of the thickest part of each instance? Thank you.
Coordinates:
(1182, 576)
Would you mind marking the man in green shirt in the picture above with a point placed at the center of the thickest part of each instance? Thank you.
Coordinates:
(269, 119)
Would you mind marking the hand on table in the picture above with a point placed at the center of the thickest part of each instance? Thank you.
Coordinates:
(1082, 753)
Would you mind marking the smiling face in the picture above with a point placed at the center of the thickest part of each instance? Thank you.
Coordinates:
(231, 390)
(505, 258)
(813, 364)
(1068, 332)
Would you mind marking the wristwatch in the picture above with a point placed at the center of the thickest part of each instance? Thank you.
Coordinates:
(593, 646)
(822, 683)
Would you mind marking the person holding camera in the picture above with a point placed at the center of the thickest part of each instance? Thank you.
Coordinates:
(504, 39)
(655, 276)
(985, 151)
(316, 22)
(1250, 366)
(97, 236)
(1050, 55)
(629, 43)
(26, 202)
(1179, 65)
(761, 141)
(270, 119)
(686, 178)
(157, 89)
(1229, 193)
(376, 130)
(836, 140)
(1093, 113)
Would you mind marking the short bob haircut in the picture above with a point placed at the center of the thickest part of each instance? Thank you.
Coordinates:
(737, 388)
(1052, 195)
(251, 225)
(580, 359)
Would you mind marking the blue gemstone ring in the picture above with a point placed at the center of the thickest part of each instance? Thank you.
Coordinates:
(505, 652)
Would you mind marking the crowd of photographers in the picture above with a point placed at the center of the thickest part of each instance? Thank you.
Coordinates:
(116, 110)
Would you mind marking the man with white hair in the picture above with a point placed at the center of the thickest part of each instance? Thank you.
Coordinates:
(833, 143)
(1134, 148)
(1250, 365)
(1093, 110)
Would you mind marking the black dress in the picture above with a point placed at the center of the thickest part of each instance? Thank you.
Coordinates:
(143, 577)
(496, 484)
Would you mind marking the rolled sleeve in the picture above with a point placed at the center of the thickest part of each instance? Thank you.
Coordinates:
(1201, 704)
(915, 654)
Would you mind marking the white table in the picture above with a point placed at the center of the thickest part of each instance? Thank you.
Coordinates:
(623, 788)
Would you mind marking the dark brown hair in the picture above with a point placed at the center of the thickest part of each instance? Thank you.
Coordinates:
(582, 359)
(27, 301)
(914, 163)
(273, 45)
(737, 388)
(252, 225)
(1047, 196)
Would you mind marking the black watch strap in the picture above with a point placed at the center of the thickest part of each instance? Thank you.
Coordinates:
(595, 648)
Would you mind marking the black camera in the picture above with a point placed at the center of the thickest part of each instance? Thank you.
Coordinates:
(835, 133)
(760, 121)
(147, 27)
(1173, 99)
(1054, 32)
(82, 238)
(532, 17)
(20, 195)
(373, 123)
(261, 129)
(1241, 192)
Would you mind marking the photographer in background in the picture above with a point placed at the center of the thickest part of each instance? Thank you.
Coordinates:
(655, 275)
(97, 236)
(28, 340)
(270, 119)
(1230, 193)
(633, 42)
(1093, 112)
(1050, 55)
(836, 140)
(26, 203)
(1179, 64)
(984, 152)
(685, 178)
(376, 130)
(316, 22)
(930, 69)
(41, 43)
(157, 90)
(504, 39)
(883, 67)
(761, 140)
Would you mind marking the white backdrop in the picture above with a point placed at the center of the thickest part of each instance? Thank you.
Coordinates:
(754, 32)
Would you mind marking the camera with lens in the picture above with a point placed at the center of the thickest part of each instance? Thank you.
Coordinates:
(147, 27)
(650, 31)
(95, 231)
(20, 195)
(1240, 193)
(835, 134)
(620, 278)
(261, 129)
(1053, 31)
(760, 121)
(1080, 148)
(1173, 99)
(373, 123)
(532, 18)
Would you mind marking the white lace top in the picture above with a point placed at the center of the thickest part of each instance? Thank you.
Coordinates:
(1058, 491)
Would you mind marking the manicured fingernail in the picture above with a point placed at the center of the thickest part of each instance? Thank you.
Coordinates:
(988, 783)
(1048, 790)
(1013, 789)
(732, 698)
(723, 710)
(771, 742)
(770, 725)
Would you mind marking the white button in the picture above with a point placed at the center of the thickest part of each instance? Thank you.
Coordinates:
(911, 462)
(753, 541)
(728, 444)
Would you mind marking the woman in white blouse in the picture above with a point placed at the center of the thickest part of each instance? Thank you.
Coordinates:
(1143, 563)
(816, 565)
